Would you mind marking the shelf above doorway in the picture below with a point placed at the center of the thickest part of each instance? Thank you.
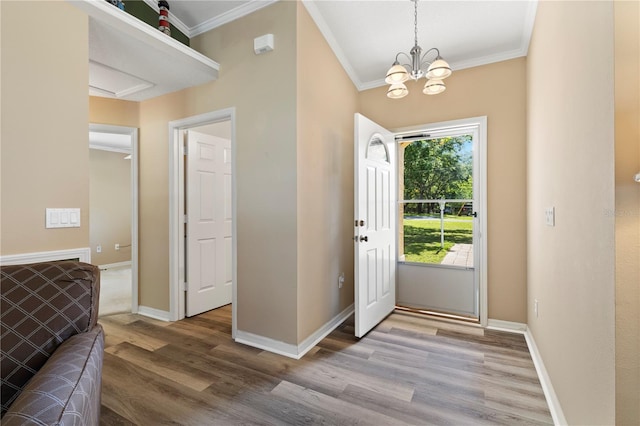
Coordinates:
(131, 60)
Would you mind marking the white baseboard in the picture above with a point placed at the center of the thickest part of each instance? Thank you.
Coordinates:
(315, 338)
(83, 254)
(271, 345)
(115, 265)
(154, 313)
(508, 326)
(545, 381)
(288, 349)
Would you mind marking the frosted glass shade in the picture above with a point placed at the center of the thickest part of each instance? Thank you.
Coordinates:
(433, 87)
(396, 74)
(439, 69)
(397, 91)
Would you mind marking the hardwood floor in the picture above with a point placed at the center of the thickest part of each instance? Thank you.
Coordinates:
(408, 370)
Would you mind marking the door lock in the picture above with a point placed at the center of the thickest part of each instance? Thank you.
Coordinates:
(359, 223)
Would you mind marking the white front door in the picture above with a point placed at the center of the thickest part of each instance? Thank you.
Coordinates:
(209, 223)
(375, 224)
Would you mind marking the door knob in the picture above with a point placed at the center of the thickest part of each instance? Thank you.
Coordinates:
(365, 238)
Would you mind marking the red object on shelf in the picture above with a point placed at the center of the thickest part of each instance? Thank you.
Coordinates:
(163, 18)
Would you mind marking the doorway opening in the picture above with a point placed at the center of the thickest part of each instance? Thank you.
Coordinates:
(113, 234)
(202, 216)
(442, 219)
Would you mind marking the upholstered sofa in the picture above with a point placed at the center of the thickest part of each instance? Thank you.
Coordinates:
(52, 347)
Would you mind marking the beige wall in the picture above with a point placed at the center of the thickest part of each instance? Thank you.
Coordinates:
(266, 186)
(45, 150)
(284, 175)
(114, 111)
(110, 204)
(570, 162)
(627, 211)
(327, 101)
(262, 89)
(497, 91)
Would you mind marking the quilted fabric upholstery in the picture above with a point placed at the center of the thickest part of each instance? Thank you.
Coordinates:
(42, 305)
(66, 391)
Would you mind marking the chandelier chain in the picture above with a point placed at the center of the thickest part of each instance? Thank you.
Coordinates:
(415, 23)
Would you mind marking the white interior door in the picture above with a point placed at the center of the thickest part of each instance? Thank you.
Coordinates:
(375, 221)
(209, 223)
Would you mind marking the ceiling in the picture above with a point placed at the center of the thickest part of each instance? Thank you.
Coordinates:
(366, 34)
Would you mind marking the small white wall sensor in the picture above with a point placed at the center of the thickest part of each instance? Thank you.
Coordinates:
(263, 44)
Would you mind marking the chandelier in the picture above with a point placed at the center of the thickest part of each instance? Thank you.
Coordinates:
(437, 69)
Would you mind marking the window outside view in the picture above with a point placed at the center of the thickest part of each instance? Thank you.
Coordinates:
(436, 178)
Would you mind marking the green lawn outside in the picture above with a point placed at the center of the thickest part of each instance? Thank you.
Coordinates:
(422, 237)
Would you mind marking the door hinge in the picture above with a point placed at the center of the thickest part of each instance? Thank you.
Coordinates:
(185, 286)
(185, 218)
(185, 150)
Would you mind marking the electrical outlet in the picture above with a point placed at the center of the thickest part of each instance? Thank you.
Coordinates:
(99, 249)
(117, 246)
(341, 280)
(535, 307)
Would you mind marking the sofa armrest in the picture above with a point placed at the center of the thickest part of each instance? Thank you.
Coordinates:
(66, 391)
(42, 305)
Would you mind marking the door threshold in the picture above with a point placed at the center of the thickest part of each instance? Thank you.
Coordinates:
(440, 315)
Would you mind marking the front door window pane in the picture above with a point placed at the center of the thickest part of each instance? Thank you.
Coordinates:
(436, 215)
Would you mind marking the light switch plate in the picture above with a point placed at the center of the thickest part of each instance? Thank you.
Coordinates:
(550, 216)
(62, 218)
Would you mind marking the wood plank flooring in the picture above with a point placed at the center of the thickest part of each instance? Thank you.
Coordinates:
(408, 370)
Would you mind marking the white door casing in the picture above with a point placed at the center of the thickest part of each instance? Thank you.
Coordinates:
(375, 221)
(133, 133)
(209, 223)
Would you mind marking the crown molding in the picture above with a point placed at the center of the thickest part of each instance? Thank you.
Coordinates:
(372, 84)
(335, 46)
(527, 29)
(489, 59)
(236, 13)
